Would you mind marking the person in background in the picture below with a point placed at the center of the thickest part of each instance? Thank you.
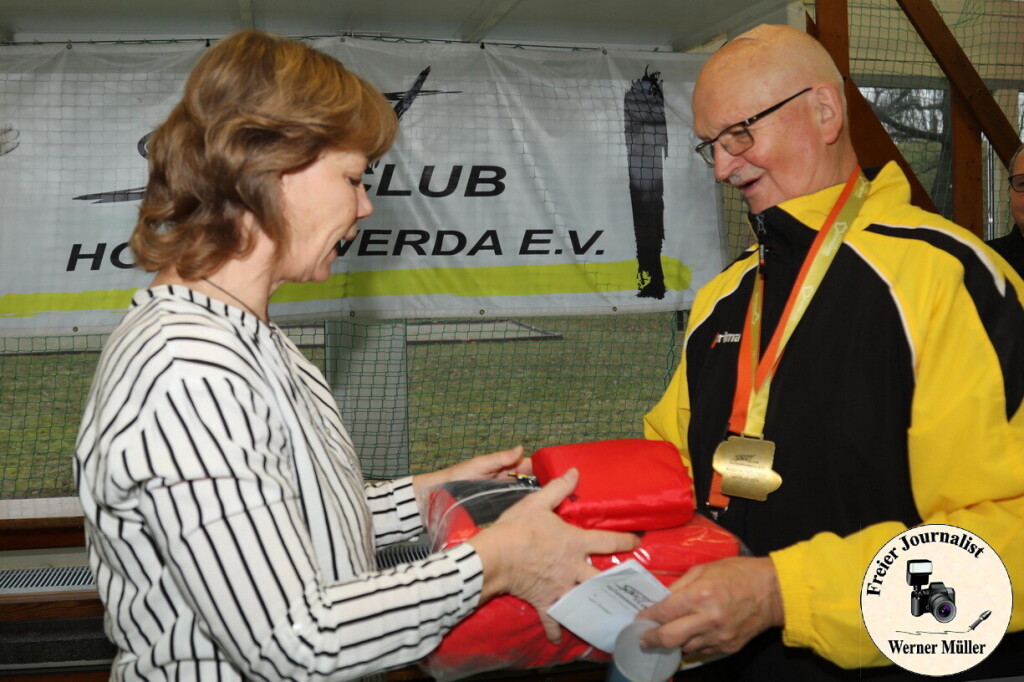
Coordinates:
(1011, 246)
(228, 525)
(895, 400)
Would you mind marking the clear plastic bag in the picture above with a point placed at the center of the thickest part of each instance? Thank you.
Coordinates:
(506, 633)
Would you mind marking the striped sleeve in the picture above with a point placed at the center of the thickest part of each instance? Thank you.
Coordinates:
(226, 519)
(396, 515)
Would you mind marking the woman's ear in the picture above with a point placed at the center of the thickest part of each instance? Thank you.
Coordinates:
(831, 111)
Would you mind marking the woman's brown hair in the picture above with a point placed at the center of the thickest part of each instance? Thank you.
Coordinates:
(256, 106)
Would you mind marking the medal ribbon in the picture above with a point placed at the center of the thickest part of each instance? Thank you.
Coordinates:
(754, 373)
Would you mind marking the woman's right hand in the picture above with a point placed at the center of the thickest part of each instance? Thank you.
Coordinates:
(530, 552)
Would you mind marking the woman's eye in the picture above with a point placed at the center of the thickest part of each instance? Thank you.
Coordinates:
(355, 182)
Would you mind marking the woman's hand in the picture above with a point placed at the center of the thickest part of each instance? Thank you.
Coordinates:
(494, 465)
(533, 554)
(481, 468)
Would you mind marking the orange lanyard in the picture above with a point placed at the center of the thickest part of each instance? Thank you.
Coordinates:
(754, 373)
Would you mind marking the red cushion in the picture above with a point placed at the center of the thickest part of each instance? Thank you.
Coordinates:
(628, 484)
(671, 552)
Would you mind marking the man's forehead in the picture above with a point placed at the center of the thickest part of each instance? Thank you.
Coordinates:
(725, 96)
(754, 71)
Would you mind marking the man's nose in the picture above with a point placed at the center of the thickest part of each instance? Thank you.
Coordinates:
(725, 163)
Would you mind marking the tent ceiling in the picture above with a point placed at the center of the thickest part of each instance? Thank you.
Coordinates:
(639, 24)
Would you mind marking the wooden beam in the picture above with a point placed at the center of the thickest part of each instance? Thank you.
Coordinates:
(968, 203)
(50, 605)
(962, 75)
(833, 31)
(871, 141)
(61, 676)
(41, 523)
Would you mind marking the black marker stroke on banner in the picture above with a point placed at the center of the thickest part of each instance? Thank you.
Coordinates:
(8, 138)
(646, 146)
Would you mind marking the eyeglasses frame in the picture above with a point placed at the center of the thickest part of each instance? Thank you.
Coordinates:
(745, 124)
(1020, 182)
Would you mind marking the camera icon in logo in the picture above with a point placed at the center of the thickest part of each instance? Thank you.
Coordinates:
(936, 598)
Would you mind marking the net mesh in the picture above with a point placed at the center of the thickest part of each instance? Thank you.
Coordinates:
(421, 394)
(416, 395)
(896, 73)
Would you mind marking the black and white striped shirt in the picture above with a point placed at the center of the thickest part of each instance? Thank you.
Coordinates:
(228, 525)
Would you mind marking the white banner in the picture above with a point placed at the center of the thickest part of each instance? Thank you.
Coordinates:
(521, 182)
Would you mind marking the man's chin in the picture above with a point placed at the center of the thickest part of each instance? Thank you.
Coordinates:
(759, 203)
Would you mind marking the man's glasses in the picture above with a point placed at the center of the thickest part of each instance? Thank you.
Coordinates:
(737, 138)
(1017, 182)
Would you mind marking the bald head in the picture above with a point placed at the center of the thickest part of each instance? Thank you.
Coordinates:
(802, 145)
(776, 57)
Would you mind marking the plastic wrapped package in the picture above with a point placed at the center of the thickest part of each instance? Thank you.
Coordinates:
(506, 633)
(668, 553)
(457, 510)
(643, 483)
(627, 484)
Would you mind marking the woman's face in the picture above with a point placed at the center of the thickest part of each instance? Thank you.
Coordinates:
(321, 205)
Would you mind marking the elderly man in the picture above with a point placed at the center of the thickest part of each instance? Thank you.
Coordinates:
(1011, 246)
(893, 398)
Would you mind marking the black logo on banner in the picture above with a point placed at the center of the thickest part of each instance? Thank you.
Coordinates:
(646, 145)
(403, 101)
(646, 139)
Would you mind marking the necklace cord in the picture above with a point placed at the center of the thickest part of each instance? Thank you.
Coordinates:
(238, 300)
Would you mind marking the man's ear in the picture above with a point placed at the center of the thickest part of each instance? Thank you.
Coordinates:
(831, 112)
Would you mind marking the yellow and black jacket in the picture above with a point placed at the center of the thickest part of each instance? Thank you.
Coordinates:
(897, 402)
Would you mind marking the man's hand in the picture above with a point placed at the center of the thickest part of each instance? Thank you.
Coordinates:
(716, 608)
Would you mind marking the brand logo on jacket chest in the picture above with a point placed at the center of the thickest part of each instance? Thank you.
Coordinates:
(725, 337)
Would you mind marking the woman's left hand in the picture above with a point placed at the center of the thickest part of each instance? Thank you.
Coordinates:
(480, 468)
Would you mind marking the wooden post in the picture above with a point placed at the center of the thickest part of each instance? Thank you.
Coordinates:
(968, 203)
(963, 76)
(871, 141)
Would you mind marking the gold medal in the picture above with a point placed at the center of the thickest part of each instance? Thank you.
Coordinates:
(745, 465)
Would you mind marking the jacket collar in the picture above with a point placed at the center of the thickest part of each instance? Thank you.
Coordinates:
(811, 210)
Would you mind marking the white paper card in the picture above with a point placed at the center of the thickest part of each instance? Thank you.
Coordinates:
(598, 609)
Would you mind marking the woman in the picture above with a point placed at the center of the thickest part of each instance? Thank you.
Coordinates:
(228, 525)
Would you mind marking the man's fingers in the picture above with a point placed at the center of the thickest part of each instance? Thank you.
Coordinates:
(672, 607)
(671, 635)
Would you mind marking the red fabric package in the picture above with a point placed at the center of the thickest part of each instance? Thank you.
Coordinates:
(627, 484)
(632, 485)
(670, 552)
(505, 633)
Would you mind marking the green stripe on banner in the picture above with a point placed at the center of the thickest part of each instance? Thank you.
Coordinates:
(514, 280)
(27, 305)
